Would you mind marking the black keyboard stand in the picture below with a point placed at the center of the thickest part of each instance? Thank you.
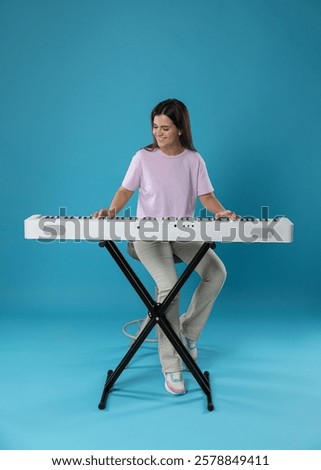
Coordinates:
(157, 316)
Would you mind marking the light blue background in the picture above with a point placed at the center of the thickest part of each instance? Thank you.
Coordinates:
(78, 81)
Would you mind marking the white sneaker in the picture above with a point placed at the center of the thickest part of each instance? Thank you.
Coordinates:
(175, 383)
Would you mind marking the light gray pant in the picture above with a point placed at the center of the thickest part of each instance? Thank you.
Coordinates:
(157, 257)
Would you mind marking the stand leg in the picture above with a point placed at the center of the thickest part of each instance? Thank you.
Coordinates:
(104, 395)
(210, 405)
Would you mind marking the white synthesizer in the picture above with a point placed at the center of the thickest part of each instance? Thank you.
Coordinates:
(243, 230)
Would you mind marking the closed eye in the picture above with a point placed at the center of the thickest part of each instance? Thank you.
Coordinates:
(165, 128)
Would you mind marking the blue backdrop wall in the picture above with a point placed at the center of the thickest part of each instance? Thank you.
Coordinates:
(78, 80)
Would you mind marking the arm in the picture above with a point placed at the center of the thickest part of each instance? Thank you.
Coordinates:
(121, 198)
(212, 204)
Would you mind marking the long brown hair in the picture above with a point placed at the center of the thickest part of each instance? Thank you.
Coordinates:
(178, 113)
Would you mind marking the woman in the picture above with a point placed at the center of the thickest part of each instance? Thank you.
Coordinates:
(170, 175)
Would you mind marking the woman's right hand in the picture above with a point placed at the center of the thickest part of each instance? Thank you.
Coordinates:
(104, 213)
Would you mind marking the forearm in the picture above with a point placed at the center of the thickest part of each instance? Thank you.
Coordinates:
(211, 203)
(119, 200)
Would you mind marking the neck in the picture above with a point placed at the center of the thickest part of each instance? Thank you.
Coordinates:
(172, 150)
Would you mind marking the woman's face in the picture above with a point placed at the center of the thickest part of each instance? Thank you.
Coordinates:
(166, 133)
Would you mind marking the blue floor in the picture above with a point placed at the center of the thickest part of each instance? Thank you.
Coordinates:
(264, 358)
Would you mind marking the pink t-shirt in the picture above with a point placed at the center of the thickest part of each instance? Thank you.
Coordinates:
(168, 185)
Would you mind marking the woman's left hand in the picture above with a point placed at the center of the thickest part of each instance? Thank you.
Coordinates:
(227, 213)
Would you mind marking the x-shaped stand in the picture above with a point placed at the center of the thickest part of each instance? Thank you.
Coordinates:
(157, 316)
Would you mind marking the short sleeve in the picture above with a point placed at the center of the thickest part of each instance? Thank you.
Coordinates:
(204, 185)
(132, 178)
